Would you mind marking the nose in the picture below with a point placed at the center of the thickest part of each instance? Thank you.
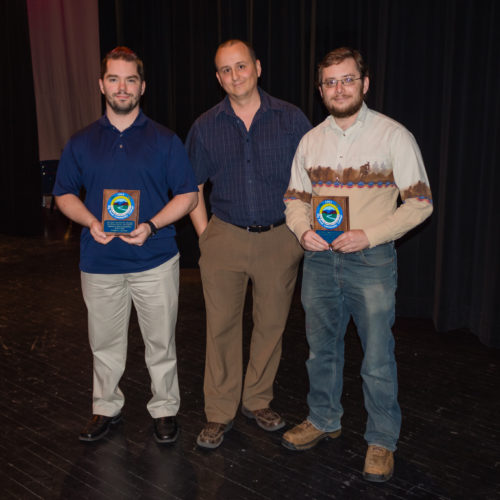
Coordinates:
(339, 88)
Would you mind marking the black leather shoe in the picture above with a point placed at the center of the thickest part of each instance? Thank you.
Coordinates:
(165, 429)
(98, 426)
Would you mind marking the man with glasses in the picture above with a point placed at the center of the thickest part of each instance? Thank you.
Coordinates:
(357, 162)
(244, 146)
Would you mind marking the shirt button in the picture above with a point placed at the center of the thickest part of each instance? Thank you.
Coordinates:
(121, 146)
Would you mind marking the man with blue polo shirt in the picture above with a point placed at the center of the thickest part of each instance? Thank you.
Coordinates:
(244, 147)
(125, 150)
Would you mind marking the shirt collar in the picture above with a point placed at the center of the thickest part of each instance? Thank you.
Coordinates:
(138, 122)
(359, 122)
(266, 102)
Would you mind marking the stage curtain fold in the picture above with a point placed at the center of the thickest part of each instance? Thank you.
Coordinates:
(64, 38)
(434, 67)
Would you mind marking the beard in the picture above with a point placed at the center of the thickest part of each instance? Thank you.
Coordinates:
(122, 108)
(350, 110)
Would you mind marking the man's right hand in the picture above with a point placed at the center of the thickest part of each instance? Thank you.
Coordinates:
(313, 242)
(98, 234)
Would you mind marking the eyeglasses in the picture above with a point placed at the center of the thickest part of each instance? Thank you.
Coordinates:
(331, 83)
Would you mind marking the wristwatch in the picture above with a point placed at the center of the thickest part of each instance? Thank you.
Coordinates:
(154, 229)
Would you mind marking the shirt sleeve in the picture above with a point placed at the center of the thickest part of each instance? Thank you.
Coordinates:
(298, 196)
(411, 179)
(69, 175)
(181, 178)
(198, 154)
(301, 125)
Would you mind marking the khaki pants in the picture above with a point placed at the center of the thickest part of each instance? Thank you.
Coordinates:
(109, 299)
(230, 256)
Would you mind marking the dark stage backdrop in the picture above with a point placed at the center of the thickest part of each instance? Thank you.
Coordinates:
(20, 181)
(434, 67)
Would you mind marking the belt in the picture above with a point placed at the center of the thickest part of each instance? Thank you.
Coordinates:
(261, 229)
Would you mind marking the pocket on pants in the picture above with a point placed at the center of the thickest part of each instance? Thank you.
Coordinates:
(381, 255)
(203, 235)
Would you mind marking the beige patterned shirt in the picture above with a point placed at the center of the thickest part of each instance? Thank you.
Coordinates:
(372, 162)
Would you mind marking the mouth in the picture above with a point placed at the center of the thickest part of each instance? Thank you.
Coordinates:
(340, 99)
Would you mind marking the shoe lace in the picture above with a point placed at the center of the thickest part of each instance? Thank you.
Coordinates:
(305, 425)
(267, 414)
(375, 454)
(212, 429)
(378, 451)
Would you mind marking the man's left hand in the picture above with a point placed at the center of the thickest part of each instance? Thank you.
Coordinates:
(350, 241)
(137, 236)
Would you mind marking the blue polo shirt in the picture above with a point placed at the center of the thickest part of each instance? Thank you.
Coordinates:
(146, 156)
(249, 170)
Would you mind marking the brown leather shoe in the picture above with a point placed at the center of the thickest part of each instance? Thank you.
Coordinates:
(304, 436)
(266, 418)
(379, 464)
(212, 435)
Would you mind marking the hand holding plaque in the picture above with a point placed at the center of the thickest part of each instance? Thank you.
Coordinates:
(331, 216)
(120, 211)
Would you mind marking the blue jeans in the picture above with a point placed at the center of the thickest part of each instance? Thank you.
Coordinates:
(335, 287)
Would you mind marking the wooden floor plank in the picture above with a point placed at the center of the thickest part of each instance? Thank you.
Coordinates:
(449, 446)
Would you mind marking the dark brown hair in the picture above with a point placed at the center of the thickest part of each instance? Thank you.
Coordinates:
(337, 56)
(127, 55)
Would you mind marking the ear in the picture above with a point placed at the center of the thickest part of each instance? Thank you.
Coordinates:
(259, 68)
(366, 85)
(320, 88)
(218, 78)
(143, 87)
(101, 85)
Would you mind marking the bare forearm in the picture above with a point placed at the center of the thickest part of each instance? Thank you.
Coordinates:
(199, 216)
(73, 208)
(179, 206)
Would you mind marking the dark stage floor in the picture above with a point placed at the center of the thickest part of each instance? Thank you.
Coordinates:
(449, 393)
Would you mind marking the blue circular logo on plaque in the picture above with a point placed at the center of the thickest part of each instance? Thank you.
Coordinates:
(121, 206)
(329, 214)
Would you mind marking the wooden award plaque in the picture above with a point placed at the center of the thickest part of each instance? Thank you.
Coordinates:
(120, 210)
(331, 216)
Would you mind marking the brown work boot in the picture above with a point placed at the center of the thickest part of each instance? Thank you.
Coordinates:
(212, 435)
(379, 464)
(305, 436)
(266, 418)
